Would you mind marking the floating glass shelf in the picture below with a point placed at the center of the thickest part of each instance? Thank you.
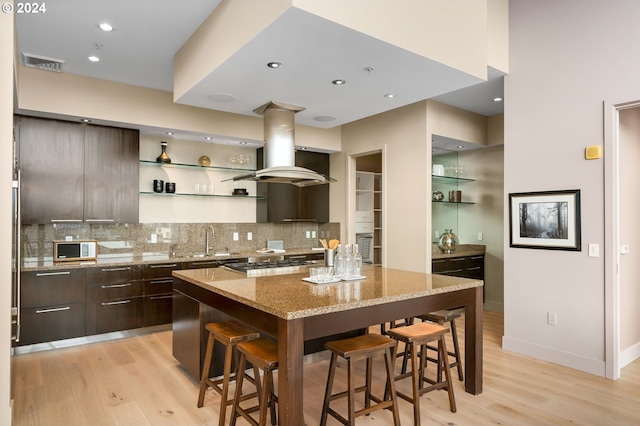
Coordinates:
(177, 194)
(194, 166)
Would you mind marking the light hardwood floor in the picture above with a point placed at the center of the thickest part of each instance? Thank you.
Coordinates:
(136, 381)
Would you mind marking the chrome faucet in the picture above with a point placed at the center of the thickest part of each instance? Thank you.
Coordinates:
(206, 238)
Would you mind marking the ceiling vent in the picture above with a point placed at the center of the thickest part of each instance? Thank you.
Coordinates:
(42, 62)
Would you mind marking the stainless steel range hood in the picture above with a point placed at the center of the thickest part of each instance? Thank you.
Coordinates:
(279, 149)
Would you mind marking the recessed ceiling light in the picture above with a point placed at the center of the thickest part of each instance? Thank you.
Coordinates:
(324, 118)
(339, 82)
(169, 133)
(498, 99)
(221, 97)
(105, 27)
(274, 64)
(390, 95)
(243, 143)
(94, 58)
(85, 120)
(460, 146)
(209, 138)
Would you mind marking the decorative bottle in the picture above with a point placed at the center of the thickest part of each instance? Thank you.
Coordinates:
(338, 263)
(357, 261)
(163, 157)
(348, 261)
(448, 241)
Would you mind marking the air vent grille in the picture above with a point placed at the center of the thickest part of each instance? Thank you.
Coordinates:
(42, 62)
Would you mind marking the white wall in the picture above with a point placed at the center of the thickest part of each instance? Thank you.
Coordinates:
(6, 144)
(565, 59)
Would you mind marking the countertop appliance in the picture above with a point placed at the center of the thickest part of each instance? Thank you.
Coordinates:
(76, 250)
(273, 265)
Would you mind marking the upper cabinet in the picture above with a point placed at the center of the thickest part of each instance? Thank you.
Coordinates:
(289, 203)
(111, 175)
(74, 172)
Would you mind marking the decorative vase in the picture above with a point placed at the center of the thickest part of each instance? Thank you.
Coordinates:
(163, 157)
(448, 241)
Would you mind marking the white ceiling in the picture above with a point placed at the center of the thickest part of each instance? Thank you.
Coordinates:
(313, 52)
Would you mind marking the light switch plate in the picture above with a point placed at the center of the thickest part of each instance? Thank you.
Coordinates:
(594, 250)
(236, 236)
(249, 236)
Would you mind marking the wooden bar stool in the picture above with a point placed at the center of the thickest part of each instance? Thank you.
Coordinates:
(263, 354)
(443, 317)
(229, 333)
(358, 348)
(416, 336)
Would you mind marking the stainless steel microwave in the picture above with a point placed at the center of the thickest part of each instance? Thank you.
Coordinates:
(64, 251)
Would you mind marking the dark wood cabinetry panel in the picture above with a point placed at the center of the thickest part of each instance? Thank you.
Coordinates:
(111, 184)
(158, 293)
(52, 305)
(55, 322)
(46, 288)
(285, 202)
(187, 332)
(464, 266)
(51, 157)
(74, 172)
(113, 315)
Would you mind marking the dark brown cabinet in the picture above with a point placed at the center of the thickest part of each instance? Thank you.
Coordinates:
(114, 299)
(289, 203)
(52, 305)
(52, 164)
(464, 266)
(111, 158)
(75, 172)
(158, 293)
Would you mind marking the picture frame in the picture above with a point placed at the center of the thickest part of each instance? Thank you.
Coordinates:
(545, 220)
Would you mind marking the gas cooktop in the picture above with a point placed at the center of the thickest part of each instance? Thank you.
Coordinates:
(273, 267)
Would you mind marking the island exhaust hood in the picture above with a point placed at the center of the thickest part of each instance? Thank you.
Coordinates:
(279, 149)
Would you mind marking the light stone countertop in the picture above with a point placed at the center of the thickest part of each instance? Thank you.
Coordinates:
(460, 251)
(128, 259)
(289, 297)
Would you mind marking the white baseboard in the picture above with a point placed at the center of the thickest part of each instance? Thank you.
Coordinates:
(629, 355)
(567, 359)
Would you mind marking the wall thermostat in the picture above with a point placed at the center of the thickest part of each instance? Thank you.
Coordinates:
(593, 152)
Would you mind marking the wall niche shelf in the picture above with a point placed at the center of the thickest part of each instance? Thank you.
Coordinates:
(194, 166)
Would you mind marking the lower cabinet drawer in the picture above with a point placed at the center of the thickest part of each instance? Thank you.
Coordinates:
(114, 315)
(45, 324)
(158, 309)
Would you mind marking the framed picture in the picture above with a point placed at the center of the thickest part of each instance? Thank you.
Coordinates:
(545, 220)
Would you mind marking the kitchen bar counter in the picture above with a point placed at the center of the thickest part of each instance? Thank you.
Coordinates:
(127, 259)
(293, 311)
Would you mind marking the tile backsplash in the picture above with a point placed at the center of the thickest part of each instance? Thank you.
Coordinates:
(181, 238)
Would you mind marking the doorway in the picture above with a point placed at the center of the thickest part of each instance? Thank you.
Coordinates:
(622, 236)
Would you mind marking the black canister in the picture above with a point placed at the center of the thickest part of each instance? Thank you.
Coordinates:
(170, 187)
(158, 185)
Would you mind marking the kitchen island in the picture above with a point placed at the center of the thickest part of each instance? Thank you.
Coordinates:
(294, 311)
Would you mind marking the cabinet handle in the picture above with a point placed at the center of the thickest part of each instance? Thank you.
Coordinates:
(211, 262)
(48, 274)
(453, 270)
(121, 302)
(45, 311)
(165, 281)
(474, 268)
(115, 269)
(298, 257)
(116, 285)
(99, 220)
(457, 260)
(172, 265)
(476, 257)
(65, 220)
(170, 296)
